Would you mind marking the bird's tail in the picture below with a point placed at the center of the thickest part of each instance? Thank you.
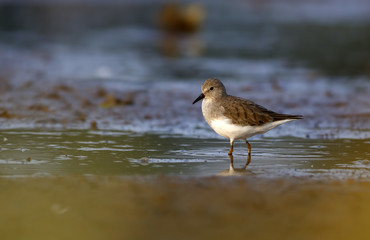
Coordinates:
(278, 117)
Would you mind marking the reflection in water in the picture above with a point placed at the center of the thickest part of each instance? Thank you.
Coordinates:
(83, 152)
(232, 171)
(232, 161)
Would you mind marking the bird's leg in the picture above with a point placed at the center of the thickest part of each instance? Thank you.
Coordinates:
(249, 147)
(248, 161)
(231, 148)
(231, 162)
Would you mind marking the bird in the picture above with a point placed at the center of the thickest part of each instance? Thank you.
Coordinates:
(236, 117)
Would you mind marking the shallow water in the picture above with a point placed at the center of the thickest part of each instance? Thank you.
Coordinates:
(26, 153)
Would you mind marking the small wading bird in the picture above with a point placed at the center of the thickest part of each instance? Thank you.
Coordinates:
(235, 117)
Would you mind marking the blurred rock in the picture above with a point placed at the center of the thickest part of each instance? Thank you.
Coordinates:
(93, 125)
(175, 18)
(111, 100)
(179, 25)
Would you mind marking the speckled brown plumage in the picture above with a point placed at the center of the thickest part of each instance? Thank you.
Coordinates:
(247, 113)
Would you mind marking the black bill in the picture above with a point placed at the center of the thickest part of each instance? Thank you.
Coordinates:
(201, 96)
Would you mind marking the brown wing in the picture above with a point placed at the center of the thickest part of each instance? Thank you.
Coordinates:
(244, 112)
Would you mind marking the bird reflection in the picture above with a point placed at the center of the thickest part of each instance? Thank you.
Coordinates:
(232, 171)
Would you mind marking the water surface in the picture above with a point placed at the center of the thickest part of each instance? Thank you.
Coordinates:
(87, 152)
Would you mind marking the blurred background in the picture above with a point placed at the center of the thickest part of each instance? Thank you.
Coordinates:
(132, 40)
(72, 63)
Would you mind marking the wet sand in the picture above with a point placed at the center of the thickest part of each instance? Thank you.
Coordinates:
(183, 208)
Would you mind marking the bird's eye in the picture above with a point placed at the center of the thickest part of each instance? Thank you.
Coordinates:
(211, 88)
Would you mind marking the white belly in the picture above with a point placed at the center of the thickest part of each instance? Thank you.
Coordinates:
(225, 128)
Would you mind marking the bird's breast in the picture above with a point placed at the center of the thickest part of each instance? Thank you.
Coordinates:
(210, 110)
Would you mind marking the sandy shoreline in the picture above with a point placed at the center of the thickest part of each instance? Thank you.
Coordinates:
(183, 208)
